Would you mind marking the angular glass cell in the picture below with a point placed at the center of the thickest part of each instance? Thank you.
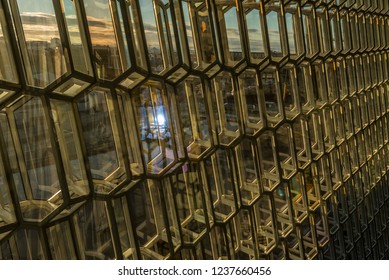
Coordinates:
(8, 71)
(312, 189)
(301, 142)
(265, 230)
(137, 38)
(324, 177)
(305, 87)
(103, 146)
(294, 246)
(245, 234)
(250, 182)
(298, 197)
(226, 108)
(189, 196)
(222, 241)
(218, 175)
(268, 160)
(76, 34)
(341, 76)
(92, 229)
(160, 34)
(193, 109)
(154, 117)
(289, 91)
(283, 208)
(327, 121)
(319, 78)
(361, 23)
(334, 27)
(294, 30)
(309, 240)
(228, 17)
(155, 220)
(109, 42)
(276, 32)
(199, 32)
(315, 135)
(124, 229)
(323, 31)
(71, 151)
(270, 83)
(257, 39)
(45, 58)
(330, 69)
(345, 30)
(321, 226)
(38, 185)
(252, 99)
(286, 151)
(310, 31)
(130, 132)
(339, 123)
(7, 213)
(29, 244)
(61, 242)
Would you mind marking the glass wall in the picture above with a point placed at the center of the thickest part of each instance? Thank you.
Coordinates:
(194, 129)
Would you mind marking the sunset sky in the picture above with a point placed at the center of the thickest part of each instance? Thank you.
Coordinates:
(39, 24)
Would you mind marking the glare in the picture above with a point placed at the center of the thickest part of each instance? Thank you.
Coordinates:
(161, 119)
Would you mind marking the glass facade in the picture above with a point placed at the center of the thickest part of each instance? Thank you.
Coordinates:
(194, 129)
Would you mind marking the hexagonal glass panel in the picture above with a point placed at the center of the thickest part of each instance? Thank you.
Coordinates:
(191, 210)
(257, 39)
(153, 115)
(294, 30)
(109, 42)
(38, 185)
(226, 108)
(265, 228)
(194, 116)
(310, 30)
(276, 30)
(286, 151)
(250, 182)
(221, 184)
(289, 91)
(71, 151)
(77, 39)
(199, 33)
(155, 220)
(103, 146)
(7, 65)
(251, 101)
(45, 58)
(270, 173)
(230, 31)
(270, 83)
(131, 133)
(7, 213)
(160, 35)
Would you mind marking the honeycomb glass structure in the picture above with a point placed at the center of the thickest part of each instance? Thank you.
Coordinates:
(194, 129)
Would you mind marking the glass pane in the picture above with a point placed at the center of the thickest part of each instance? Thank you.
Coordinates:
(110, 50)
(78, 44)
(100, 138)
(37, 156)
(45, 59)
(7, 65)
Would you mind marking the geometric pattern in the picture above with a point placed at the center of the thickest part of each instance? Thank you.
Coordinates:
(194, 129)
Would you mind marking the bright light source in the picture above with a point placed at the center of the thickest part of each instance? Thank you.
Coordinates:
(161, 119)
